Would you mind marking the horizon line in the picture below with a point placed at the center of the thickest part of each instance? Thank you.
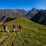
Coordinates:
(22, 8)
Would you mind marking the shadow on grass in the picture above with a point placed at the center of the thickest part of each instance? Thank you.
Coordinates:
(1, 31)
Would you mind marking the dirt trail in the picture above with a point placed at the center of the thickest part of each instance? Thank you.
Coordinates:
(12, 44)
(3, 39)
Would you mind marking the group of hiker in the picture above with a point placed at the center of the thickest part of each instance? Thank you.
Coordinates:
(14, 27)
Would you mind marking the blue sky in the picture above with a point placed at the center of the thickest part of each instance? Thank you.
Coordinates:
(22, 4)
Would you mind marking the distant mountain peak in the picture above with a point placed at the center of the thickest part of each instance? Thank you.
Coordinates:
(33, 9)
(31, 13)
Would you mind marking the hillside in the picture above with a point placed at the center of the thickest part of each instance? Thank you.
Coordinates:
(40, 17)
(31, 34)
(8, 17)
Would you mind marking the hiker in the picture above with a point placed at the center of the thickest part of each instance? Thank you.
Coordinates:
(5, 28)
(14, 28)
(20, 27)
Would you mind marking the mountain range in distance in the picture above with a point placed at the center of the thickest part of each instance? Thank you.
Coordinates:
(36, 15)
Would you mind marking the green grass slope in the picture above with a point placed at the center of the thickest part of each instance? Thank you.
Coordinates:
(31, 34)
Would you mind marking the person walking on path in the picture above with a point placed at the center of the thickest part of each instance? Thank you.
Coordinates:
(20, 27)
(14, 28)
(5, 28)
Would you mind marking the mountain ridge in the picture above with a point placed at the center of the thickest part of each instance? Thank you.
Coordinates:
(40, 17)
(23, 13)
